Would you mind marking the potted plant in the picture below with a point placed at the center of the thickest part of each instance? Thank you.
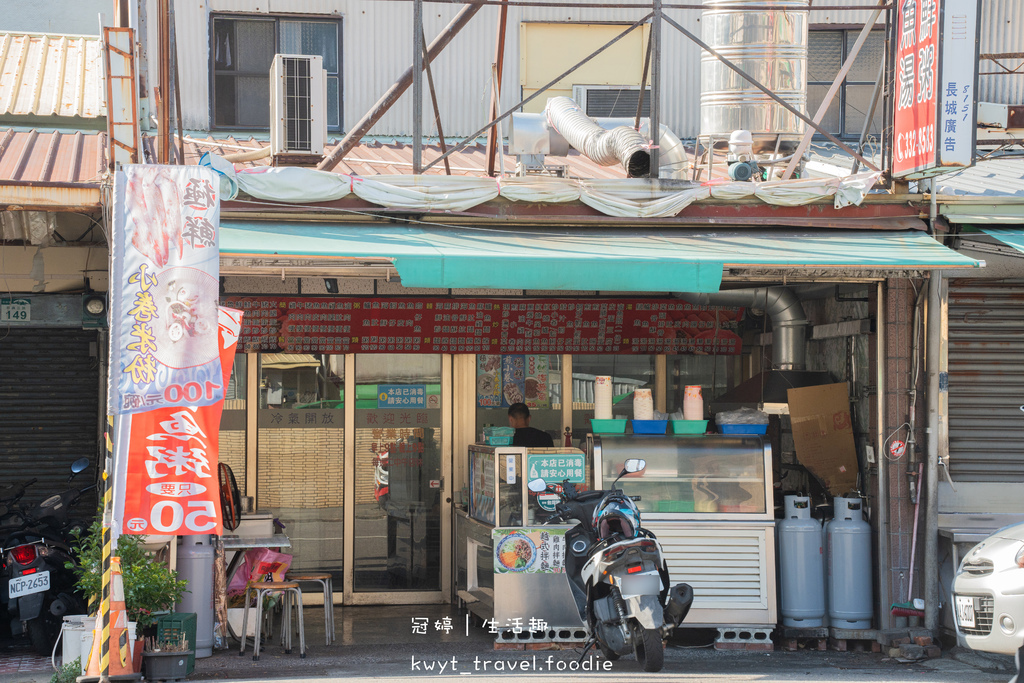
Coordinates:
(149, 586)
(166, 660)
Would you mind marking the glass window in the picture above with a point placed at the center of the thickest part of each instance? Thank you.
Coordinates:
(300, 453)
(701, 475)
(627, 373)
(826, 52)
(232, 422)
(243, 50)
(398, 473)
(533, 379)
(712, 373)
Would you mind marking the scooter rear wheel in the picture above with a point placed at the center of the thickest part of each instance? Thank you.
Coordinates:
(650, 651)
(41, 635)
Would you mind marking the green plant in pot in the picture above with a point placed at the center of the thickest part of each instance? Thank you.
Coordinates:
(148, 586)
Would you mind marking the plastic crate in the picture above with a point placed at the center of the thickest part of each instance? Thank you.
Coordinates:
(499, 440)
(649, 426)
(689, 426)
(743, 429)
(608, 426)
(171, 626)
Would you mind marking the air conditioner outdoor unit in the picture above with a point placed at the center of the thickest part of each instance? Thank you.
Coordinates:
(298, 111)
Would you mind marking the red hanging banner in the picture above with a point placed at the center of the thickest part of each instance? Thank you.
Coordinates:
(171, 485)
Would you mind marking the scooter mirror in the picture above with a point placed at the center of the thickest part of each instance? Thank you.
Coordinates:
(635, 465)
(79, 465)
(537, 485)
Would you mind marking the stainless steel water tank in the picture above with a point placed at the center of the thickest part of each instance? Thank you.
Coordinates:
(769, 45)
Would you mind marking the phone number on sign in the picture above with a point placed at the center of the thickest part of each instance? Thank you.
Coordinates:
(915, 143)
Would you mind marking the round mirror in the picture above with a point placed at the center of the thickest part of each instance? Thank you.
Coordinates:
(537, 485)
(80, 465)
(635, 465)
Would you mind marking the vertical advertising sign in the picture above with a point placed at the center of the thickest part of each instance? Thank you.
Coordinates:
(936, 53)
(171, 483)
(164, 289)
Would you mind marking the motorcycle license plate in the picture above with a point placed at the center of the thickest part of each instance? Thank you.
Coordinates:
(965, 611)
(21, 586)
(640, 584)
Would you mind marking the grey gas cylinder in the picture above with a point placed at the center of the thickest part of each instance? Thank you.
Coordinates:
(850, 603)
(195, 565)
(801, 574)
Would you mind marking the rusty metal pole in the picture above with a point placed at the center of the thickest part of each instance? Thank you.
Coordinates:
(493, 139)
(417, 87)
(655, 89)
(540, 91)
(164, 101)
(386, 101)
(433, 101)
(643, 85)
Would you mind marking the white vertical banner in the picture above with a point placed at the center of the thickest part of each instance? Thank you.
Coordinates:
(957, 124)
(164, 289)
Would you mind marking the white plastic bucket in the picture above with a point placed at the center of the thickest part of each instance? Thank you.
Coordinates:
(85, 636)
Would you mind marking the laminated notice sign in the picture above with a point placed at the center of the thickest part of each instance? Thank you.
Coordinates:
(164, 289)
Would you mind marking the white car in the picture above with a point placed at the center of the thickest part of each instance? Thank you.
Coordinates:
(988, 593)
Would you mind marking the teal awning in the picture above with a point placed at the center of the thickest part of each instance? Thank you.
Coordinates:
(609, 260)
(1011, 237)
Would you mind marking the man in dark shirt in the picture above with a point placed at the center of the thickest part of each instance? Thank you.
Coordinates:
(526, 436)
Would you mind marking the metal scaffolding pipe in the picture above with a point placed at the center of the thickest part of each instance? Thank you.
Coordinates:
(931, 527)
(389, 98)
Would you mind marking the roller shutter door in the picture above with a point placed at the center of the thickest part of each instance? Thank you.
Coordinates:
(986, 380)
(49, 395)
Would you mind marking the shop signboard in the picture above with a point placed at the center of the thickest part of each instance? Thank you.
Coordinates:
(515, 327)
(171, 482)
(164, 285)
(936, 60)
(529, 550)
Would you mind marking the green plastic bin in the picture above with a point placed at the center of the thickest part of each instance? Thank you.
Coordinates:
(171, 626)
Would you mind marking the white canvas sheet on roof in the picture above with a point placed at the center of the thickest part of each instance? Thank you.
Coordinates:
(632, 198)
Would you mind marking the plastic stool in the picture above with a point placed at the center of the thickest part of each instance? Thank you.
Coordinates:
(325, 581)
(288, 590)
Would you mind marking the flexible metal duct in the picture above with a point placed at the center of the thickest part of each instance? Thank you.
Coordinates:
(789, 340)
(606, 147)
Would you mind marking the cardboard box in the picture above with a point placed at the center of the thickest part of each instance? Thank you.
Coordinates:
(823, 435)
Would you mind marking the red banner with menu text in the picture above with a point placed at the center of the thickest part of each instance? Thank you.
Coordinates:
(172, 485)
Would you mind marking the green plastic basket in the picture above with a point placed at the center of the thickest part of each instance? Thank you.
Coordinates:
(689, 426)
(171, 626)
(608, 426)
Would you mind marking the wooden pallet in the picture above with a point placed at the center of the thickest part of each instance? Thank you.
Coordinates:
(854, 640)
(793, 639)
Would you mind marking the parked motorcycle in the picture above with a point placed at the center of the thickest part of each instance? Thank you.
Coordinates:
(40, 587)
(617, 573)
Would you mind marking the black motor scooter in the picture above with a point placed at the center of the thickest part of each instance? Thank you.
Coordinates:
(38, 586)
(617, 574)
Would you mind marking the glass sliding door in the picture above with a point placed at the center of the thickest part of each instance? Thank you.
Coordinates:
(300, 454)
(399, 496)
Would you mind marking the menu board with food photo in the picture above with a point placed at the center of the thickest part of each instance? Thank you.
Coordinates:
(529, 550)
(502, 380)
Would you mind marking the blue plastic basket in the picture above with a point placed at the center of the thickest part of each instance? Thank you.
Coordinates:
(649, 426)
(743, 429)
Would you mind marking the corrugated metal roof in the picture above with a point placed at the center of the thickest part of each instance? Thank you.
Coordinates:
(394, 157)
(995, 177)
(45, 74)
(50, 158)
